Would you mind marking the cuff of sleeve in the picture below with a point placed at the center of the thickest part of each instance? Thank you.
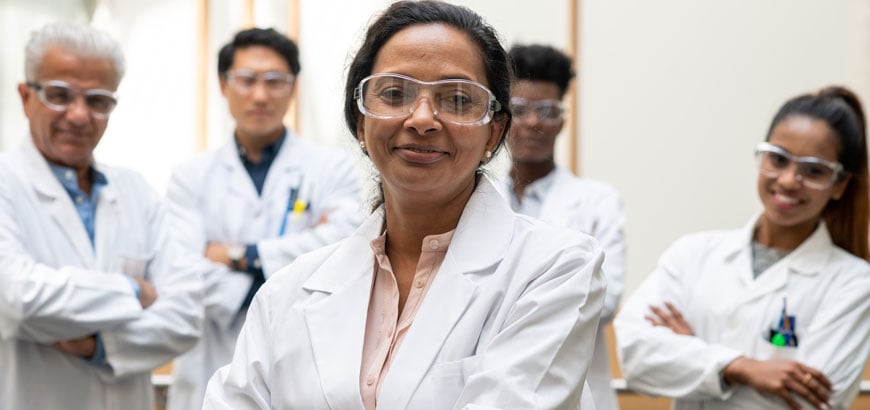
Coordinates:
(252, 255)
(137, 290)
(716, 382)
(99, 358)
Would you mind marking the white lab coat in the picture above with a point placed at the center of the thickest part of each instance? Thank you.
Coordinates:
(509, 322)
(54, 286)
(212, 199)
(594, 208)
(708, 277)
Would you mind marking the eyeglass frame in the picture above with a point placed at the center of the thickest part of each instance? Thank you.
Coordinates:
(40, 87)
(837, 170)
(288, 78)
(538, 103)
(492, 107)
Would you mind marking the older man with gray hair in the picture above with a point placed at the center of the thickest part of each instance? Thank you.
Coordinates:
(90, 301)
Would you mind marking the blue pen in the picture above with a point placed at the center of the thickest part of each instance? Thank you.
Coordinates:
(294, 192)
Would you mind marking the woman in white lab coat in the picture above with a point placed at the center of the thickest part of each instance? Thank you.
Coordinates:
(443, 298)
(777, 314)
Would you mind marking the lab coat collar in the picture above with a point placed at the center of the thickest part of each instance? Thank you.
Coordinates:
(287, 161)
(481, 237)
(809, 258)
(59, 204)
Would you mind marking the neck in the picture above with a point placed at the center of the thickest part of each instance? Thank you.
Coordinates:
(254, 144)
(524, 173)
(409, 220)
(783, 237)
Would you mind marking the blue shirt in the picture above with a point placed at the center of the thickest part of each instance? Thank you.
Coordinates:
(258, 170)
(86, 205)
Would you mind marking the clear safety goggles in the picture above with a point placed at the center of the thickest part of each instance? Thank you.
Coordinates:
(458, 101)
(58, 95)
(546, 111)
(277, 83)
(812, 172)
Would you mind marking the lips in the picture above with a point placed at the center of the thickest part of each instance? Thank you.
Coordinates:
(785, 201)
(420, 154)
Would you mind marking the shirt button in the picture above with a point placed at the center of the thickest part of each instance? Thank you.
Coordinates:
(370, 381)
(433, 244)
(421, 283)
(69, 175)
(79, 199)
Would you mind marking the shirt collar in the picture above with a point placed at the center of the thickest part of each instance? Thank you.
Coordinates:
(69, 178)
(268, 153)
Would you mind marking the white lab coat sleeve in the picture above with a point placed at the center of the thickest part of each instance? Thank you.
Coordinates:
(40, 303)
(835, 342)
(654, 359)
(609, 231)
(173, 323)
(223, 290)
(541, 354)
(245, 382)
(341, 210)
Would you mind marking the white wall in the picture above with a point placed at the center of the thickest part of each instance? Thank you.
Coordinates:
(673, 94)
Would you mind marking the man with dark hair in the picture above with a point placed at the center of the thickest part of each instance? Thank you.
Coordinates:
(538, 187)
(257, 203)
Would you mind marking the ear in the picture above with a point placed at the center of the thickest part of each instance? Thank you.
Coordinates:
(496, 132)
(361, 131)
(25, 93)
(223, 82)
(840, 188)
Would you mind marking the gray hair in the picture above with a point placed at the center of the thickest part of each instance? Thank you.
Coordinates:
(81, 40)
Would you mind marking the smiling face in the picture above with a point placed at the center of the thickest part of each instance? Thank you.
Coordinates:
(530, 139)
(788, 204)
(420, 157)
(68, 137)
(258, 114)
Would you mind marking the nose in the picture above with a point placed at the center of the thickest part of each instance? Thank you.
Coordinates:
(789, 177)
(77, 112)
(423, 117)
(259, 91)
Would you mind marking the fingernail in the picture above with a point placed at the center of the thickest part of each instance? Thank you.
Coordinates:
(825, 406)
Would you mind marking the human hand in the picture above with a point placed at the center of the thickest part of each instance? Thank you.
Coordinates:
(672, 319)
(85, 347)
(782, 378)
(147, 292)
(217, 252)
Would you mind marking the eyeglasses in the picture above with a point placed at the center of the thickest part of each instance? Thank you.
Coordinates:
(812, 172)
(58, 95)
(277, 83)
(462, 102)
(546, 111)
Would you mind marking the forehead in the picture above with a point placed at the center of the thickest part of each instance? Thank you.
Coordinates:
(80, 71)
(259, 58)
(806, 136)
(535, 90)
(431, 52)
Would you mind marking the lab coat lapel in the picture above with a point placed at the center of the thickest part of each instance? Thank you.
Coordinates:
(479, 242)
(807, 259)
(109, 216)
(58, 202)
(556, 202)
(336, 322)
(240, 188)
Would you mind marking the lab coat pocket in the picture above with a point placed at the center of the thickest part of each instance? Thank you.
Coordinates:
(764, 350)
(447, 380)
